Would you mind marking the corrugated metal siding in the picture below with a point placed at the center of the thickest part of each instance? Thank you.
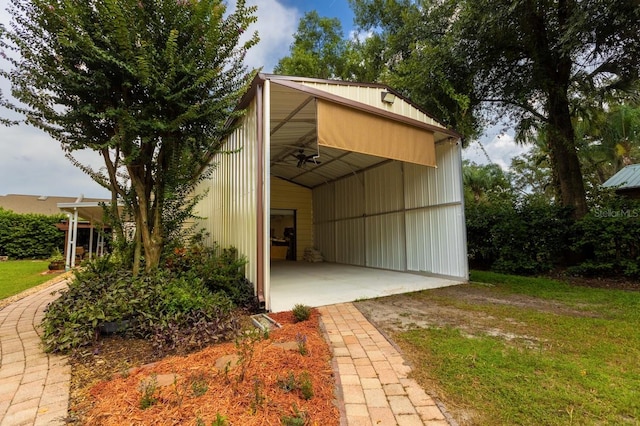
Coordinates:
(350, 242)
(435, 230)
(349, 197)
(286, 195)
(427, 186)
(383, 188)
(229, 208)
(324, 225)
(371, 96)
(434, 241)
(413, 217)
(386, 247)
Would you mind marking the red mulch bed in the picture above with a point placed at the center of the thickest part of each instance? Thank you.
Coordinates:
(258, 399)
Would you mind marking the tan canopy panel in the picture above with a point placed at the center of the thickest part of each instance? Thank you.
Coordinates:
(352, 130)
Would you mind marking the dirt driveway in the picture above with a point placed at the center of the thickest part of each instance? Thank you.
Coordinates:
(438, 308)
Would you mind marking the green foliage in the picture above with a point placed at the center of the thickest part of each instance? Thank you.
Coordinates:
(29, 236)
(609, 240)
(318, 49)
(299, 418)
(301, 312)
(19, 275)
(148, 390)
(528, 238)
(302, 383)
(173, 308)
(301, 341)
(220, 269)
(199, 385)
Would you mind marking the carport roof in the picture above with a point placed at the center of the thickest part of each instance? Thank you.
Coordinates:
(294, 126)
(92, 211)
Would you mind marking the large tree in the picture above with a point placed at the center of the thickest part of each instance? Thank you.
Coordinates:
(318, 49)
(525, 60)
(149, 84)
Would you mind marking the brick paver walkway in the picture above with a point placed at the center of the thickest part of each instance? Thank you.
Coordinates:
(372, 376)
(34, 386)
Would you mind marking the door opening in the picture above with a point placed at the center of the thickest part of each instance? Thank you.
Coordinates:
(283, 234)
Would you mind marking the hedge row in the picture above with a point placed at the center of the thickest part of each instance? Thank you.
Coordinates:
(534, 237)
(29, 236)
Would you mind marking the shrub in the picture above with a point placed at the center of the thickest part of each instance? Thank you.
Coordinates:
(220, 270)
(301, 312)
(26, 236)
(173, 308)
(528, 238)
(608, 239)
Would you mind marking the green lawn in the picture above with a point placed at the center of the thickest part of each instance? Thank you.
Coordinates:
(577, 362)
(19, 275)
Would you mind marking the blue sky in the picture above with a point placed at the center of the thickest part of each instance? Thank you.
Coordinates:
(33, 163)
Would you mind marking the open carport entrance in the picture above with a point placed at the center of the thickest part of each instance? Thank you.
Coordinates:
(362, 181)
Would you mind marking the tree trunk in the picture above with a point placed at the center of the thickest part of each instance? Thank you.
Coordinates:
(148, 222)
(564, 157)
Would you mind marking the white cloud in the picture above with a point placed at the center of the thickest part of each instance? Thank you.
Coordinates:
(276, 25)
(499, 147)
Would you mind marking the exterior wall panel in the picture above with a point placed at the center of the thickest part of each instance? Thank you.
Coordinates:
(230, 207)
(386, 247)
(435, 233)
(383, 189)
(371, 96)
(349, 197)
(350, 242)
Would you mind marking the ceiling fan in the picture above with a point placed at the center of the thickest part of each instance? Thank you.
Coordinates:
(303, 159)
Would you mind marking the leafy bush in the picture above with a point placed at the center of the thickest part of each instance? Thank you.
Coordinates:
(301, 312)
(528, 238)
(220, 270)
(608, 239)
(174, 308)
(28, 236)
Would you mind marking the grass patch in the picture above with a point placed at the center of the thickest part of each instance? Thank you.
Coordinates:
(19, 275)
(574, 364)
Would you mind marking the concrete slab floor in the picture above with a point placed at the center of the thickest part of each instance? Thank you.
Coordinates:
(321, 284)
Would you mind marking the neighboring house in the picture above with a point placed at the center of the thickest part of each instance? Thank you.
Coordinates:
(79, 229)
(353, 170)
(626, 182)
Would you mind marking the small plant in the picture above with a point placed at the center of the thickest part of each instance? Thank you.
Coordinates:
(305, 385)
(148, 390)
(245, 347)
(298, 419)
(301, 340)
(258, 395)
(220, 420)
(199, 385)
(302, 383)
(301, 312)
(289, 383)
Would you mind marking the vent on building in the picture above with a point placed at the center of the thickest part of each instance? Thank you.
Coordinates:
(42, 198)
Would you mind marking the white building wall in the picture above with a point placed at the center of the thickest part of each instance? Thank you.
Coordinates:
(371, 96)
(230, 207)
(397, 216)
(436, 234)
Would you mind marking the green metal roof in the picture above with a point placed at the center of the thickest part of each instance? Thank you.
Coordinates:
(627, 178)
